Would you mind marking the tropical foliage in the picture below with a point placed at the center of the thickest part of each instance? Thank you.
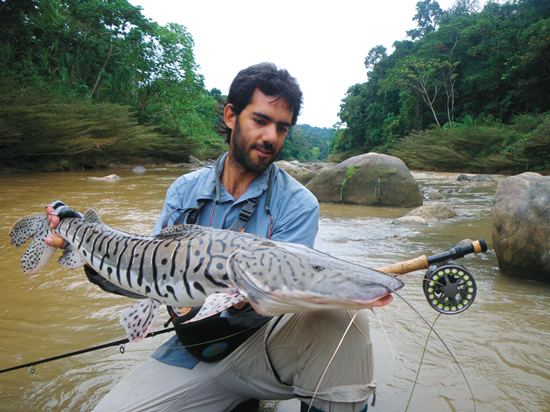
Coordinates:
(85, 83)
(464, 72)
(307, 144)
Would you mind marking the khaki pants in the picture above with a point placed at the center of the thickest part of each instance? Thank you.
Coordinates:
(298, 347)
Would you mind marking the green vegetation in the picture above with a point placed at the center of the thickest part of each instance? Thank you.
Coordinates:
(521, 146)
(87, 83)
(307, 144)
(468, 92)
(349, 173)
(91, 83)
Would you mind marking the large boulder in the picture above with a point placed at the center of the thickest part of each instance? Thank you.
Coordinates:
(521, 226)
(371, 179)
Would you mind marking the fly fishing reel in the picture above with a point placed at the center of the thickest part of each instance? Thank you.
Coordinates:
(449, 288)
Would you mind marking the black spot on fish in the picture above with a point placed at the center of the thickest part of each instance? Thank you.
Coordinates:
(109, 270)
(199, 287)
(147, 289)
(197, 252)
(172, 291)
(164, 261)
(219, 266)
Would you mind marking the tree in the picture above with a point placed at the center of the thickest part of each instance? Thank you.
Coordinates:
(374, 56)
(425, 77)
(106, 52)
(428, 16)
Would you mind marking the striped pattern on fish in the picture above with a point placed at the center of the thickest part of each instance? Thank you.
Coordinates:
(190, 266)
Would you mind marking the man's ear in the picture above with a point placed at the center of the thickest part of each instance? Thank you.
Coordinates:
(229, 116)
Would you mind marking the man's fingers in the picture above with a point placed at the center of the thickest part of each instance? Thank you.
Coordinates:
(54, 241)
(54, 220)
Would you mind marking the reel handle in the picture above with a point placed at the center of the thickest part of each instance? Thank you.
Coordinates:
(424, 262)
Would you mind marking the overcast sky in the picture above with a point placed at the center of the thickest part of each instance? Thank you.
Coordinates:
(322, 44)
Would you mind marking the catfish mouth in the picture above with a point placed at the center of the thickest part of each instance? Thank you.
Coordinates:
(383, 301)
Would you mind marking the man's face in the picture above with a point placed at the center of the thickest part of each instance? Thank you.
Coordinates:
(259, 131)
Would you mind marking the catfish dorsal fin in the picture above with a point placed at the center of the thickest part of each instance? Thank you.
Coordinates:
(91, 216)
(183, 231)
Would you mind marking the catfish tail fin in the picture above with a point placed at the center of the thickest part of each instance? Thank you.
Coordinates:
(37, 227)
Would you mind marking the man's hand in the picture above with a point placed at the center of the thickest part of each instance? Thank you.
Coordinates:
(53, 240)
(240, 305)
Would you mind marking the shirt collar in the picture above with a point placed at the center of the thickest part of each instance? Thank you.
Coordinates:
(207, 189)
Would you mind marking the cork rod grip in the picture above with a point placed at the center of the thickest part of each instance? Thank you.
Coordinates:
(407, 266)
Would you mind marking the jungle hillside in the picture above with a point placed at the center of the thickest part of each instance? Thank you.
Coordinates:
(90, 83)
(467, 91)
(87, 84)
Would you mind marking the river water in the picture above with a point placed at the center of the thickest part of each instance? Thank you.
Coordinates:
(502, 342)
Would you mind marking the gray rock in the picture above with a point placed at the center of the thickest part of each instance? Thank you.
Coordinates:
(194, 161)
(521, 226)
(433, 212)
(108, 178)
(411, 221)
(436, 195)
(291, 168)
(298, 171)
(370, 179)
(138, 169)
(475, 178)
(306, 176)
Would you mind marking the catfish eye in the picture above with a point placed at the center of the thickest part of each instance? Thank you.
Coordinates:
(317, 267)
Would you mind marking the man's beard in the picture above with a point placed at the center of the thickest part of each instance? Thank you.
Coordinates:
(241, 153)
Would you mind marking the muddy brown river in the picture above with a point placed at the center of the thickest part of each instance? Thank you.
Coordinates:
(502, 342)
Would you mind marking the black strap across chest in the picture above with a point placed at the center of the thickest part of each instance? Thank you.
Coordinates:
(190, 215)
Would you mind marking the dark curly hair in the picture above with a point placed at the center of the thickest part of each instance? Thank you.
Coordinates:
(271, 81)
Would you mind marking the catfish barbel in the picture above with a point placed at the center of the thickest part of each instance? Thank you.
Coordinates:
(191, 265)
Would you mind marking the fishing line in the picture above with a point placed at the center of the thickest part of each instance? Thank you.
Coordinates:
(421, 360)
(332, 358)
(122, 349)
(31, 365)
(445, 345)
(387, 338)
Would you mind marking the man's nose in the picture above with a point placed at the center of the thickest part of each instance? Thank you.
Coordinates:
(270, 133)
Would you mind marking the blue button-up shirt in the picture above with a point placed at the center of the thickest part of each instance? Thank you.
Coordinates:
(294, 209)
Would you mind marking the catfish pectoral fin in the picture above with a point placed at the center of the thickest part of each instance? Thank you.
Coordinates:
(216, 303)
(138, 320)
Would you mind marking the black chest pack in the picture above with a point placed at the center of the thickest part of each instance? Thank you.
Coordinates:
(215, 337)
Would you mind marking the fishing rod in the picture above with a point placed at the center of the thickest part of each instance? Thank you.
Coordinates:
(31, 365)
(449, 287)
(424, 262)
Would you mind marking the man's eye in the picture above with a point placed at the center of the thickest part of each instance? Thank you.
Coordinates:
(283, 129)
(259, 121)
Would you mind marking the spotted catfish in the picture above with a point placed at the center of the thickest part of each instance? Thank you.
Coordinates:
(190, 266)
